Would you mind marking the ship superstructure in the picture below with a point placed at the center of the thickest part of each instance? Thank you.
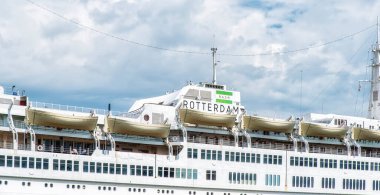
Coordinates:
(197, 140)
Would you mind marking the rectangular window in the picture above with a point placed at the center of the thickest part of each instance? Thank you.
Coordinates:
(85, 165)
(195, 174)
(2, 160)
(242, 157)
(138, 170)
(195, 153)
(46, 164)
(76, 166)
(265, 159)
(31, 162)
(296, 161)
(253, 158)
(208, 154)
(232, 157)
(248, 157)
(9, 161)
(24, 162)
(112, 168)
(166, 172)
(62, 165)
(208, 175)
(124, 169)
(203, 154)
(55, 164)
(133, 169)
(280, 160)
(69, 165)
(17, 161)
(292, 161)
(172, 172)
(118, 169)
(105, 167)
(150, 171)
(257, 158)
(177, 173)
(160, 172)
(237, 157)
(98, 167)
(270, 159)
(38, 163)
(213, 177)
(227, 156)
(213, 154)
(219, 155)
(92, 167)
(189, 173)
(189, 153)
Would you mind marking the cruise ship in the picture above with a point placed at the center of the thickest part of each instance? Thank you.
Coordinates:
(198, 140)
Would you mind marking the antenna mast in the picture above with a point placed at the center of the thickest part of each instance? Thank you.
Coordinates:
(213, 65)
(374, 104)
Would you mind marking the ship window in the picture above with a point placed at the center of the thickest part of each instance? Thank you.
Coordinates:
(208, 153)
(69, 166)
(171, 174)
(166, 172)
(9, 161)
(38, 163)
(257, 158)
(76, 166)
(203, 154)
(189, 173)
(237, 157)
(17, 161)
(248, 157)
(160, 172)
(105, 168)
(31, 162)
(146, 117)
(189, 153)
(46, 163)
(219, 155)
(253, 158)
(118, 169)
(133, 169)
(213, 154)
(183, 173)
(55, 164)
(280, 160)
(92, 167)
(232, 157)
(124, 169)
(2, 160)
(112, 168)
(292, 161)
(178, 173)
(98, 167)
(195, 174)
(195, 153)
(227, 156)
(205, 95)
(375, 95)
(242, 157)
(265, 159)
(62, 165)
(150, 171)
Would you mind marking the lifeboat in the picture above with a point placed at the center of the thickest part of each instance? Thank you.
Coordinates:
(322, 130)
(365, 134)
(122, 125)
(204, 118)
(51, 118)
(268, 124)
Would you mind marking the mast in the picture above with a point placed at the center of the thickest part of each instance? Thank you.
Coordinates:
(374, 103)
(213, 65)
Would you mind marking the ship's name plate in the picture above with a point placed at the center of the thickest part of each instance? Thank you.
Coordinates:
(210, 107)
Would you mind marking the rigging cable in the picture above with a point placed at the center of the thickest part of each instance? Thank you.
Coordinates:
(84, 26)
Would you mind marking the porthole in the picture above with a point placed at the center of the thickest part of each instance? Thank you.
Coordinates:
(129, 189)
(172, 191)
(190, 192)
(28, 183)
(163, 191)
(144, 190)
(23, 183)
(73, 186)
(51, 185)
(146, 117)
(46, 185)
(139, 190)
(134, 189)
(194, 192)
(109, 188)
(104, 188)
(1, 182)
(83, 187)
(78, 187)
(6, 182)
(67, 186)
(158, 191)
(99, 188)
(114, 188)
(167, 191)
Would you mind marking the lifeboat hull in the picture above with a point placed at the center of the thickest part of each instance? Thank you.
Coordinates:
(65, 121)
(365, 134)
(321, 130)
(267, 124)
(124, 126)
(209, 119)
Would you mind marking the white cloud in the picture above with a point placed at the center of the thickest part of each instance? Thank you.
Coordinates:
(62, 63)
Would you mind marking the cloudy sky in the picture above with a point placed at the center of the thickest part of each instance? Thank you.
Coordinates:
(58, 61)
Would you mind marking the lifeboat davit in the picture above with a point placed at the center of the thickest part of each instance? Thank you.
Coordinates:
(123, 125)
(365, 134)
(256, 123)
(204, 118)
(52, 118)
(322, 130)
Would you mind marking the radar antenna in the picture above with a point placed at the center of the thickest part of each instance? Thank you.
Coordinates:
(213, 65)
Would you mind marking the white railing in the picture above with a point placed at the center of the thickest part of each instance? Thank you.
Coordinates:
(67, 107)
